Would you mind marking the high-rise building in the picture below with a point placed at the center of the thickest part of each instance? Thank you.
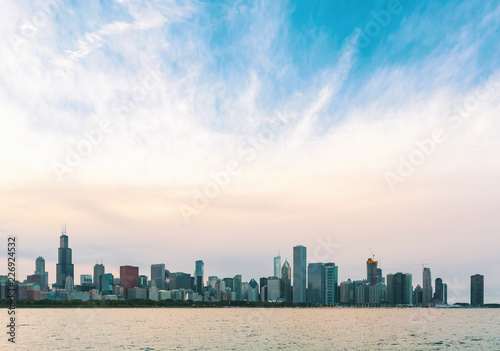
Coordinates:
(237, 287)
(129, 278)
(316, 283)
(158, 275)
(253, 290)
(40, 272)
(86, 279)
(346, 292)
(477, 290)
(143, 281)
(427, 287)
(180, 280)
(273, 289)
(371, 271)
(399, 289)
(331, 283)
(263, 289)
(98, 272)
(198, 276)
(438, 291)
(64, 267)
(277, 266)
(286, 281)
(299, 273)
(69, 283)
(445, 293)
(229, 282)
(417, 295)
(106, 283)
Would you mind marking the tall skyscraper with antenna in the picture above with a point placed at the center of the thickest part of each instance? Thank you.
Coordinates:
(64, 267)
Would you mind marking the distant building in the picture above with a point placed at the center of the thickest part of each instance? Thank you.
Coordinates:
(274, 289)
(40, 271)
(371, 271)
(180, 280)
(427, 287)
(253, 290)
(229, 283)
(445, 293)
(106, 284)
(158, 275)
(477, 290)
(299, 273)
(316, 283)
(399, 289)
(277, 266)
(237, 287)
(286, 280)
(199, 272)
(129, 278)
(143, 281)
(417, 295)
(64, 267)
(331, 284)
(263, 289)
(86, 279)
(98, 272)
(137, 293)
(346, 292)
(153, 291)
(69, 283)
(438, 291)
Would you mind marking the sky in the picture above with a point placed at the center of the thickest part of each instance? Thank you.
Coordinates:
(231, 131)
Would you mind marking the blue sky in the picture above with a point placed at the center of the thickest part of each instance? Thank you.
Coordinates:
(317, 102)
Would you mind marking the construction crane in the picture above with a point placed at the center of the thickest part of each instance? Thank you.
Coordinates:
(373, 255)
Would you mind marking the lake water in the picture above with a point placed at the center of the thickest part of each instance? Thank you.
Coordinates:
(256, 329)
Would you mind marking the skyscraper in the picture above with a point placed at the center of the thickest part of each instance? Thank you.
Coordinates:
(98, 273)
(277, 266)
(371, 271)
(299, 273)
(445, 293)
(198, 276)
(438, 291)
(316, 283)
(331, 283)
(180, 280)
(253, 290)
(477, 290)
(129, 278)
(427, 287)
(40, 272)
(106, 283)
(237, 287)
(158, 275)
(273, 289)
(286, 281)
(399, 289)
(64, 267)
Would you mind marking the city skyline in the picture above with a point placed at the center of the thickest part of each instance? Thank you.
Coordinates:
(211, 128)
(323, 283)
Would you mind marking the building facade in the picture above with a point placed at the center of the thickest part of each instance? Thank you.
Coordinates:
(64, 267)
(477, 290)
(299, 274)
